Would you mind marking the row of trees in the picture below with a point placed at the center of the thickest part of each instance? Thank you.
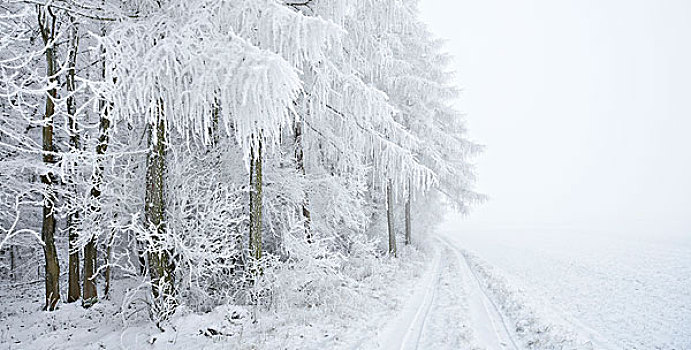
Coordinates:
(204, 145)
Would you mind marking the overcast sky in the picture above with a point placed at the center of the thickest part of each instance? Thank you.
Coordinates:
(584, 106)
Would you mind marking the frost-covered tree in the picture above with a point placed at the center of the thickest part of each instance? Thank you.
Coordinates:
(28, 86)
(224, 68)
(221, 151)
(74, 288)
(407, 65)
(43, 63)
(347, 120)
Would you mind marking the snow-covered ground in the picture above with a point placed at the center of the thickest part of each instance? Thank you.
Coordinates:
(355, 321)
(616, 291)
(490, 290)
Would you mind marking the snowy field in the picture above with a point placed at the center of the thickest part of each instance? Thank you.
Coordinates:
(620, 292)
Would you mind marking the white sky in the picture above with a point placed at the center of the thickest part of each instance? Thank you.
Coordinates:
(584, 105)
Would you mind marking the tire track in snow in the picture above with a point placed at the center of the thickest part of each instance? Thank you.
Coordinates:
(417, 326)
(490, 326)
(405, 332)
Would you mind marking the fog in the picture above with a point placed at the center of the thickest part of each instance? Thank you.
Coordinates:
(584, 107)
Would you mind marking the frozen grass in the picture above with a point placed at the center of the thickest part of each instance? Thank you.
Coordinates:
(622, 291)
(534, 330)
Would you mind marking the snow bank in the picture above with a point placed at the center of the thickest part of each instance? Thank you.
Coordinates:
(535, 330)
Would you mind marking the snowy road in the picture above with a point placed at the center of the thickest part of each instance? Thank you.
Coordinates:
(405, 332)
(490, 327)
(462, 301)
(449, 309)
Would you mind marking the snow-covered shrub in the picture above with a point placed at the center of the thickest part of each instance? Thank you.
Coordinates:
(207, 221)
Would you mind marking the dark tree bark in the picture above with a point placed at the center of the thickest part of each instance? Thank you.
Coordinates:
(13, 265)
(90, 249)
(255, 237)
(74, 289)
(300, 163)
(90, 291)
(390, 218)
(216, 116)
(46, 21)
(108, 258)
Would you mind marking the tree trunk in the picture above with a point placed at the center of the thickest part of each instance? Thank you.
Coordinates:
(215, 116)
(51, 257)
(74, 289)
(90, 292)
(256, 202)
(159, 257)
(300, 163)
(109, 261)
(407, 213)
(389, 216)
(109, 256)
(13, 265)
(90, 253)
(52, 277)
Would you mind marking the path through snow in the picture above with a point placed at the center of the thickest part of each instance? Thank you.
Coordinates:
(462, 302)
(406, 330)
(491, 330)
(449, 309)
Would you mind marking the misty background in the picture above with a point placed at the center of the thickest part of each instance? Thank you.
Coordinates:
(584, 108)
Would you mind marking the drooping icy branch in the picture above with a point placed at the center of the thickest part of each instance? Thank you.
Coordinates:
(193, 57)
(182, 62)
(344, 98)
(271, 26)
